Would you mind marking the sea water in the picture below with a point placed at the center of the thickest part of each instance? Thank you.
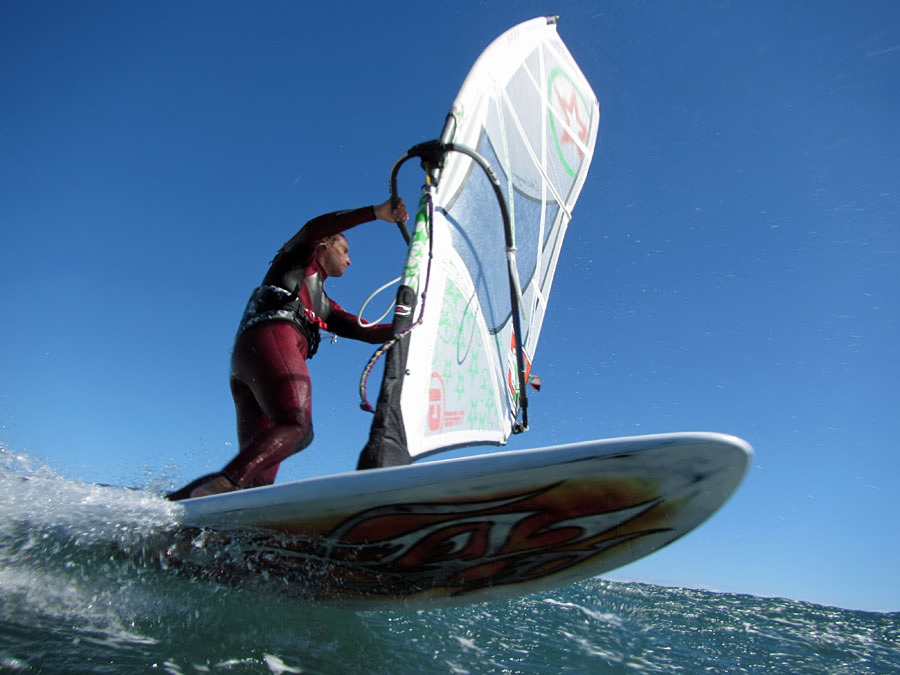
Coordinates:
(71, 602)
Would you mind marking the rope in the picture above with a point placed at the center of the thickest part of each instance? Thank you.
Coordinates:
(365, 324)
(383, 349)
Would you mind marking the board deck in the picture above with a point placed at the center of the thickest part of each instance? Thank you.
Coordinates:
(455, 531)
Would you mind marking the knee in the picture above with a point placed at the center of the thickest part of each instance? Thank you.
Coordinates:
(305, 439)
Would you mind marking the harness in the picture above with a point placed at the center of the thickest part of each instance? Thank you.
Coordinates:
(273, 303)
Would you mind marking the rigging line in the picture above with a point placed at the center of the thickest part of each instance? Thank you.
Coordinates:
(538, 298)
(506, 159)
(359, 318)
(383, 349)
(574, 135)
(546, 109)
(364, 377)
(515, 288)
(563, 123)
(433, 153)
(541, 169)
(546, 182)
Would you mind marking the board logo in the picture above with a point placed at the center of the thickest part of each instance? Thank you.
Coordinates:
(447, 547)
(439, 418)
(570, 120)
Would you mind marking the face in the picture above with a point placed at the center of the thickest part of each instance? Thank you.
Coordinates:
(335, 257)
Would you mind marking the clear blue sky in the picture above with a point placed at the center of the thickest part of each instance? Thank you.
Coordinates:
(733, 264)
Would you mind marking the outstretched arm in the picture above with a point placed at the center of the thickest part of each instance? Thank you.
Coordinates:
(328, 224)
(301, 246)
(345, 324)
(391, 214)
(331, 223)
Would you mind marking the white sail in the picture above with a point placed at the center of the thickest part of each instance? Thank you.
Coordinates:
(527, 109)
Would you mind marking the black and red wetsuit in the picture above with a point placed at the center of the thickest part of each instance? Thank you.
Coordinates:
(279, 331)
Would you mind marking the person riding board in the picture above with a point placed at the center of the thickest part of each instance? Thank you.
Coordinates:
(278, 332)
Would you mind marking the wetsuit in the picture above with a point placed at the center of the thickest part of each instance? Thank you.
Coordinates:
(278, 332)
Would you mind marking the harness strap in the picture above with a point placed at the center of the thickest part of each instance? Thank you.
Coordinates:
(273, 303)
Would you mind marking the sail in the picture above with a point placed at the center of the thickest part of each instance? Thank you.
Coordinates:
(484, 249)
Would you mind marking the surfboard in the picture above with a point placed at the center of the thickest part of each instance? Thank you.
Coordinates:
(456, 531)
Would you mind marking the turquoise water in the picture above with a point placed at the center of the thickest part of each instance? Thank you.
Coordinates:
(71, 603)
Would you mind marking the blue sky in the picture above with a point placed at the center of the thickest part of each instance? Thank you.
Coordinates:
(733, 264)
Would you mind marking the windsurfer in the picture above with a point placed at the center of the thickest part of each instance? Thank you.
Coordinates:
(279, 331)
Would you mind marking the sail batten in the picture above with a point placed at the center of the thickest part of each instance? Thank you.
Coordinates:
(518, 141)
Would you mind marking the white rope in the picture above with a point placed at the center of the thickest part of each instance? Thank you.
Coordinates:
(359, 318)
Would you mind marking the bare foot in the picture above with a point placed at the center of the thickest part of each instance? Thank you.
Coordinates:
(214, 486)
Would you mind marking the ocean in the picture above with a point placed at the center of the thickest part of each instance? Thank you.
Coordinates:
(71, 602)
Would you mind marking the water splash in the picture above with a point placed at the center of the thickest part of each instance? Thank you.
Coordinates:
(64, 546)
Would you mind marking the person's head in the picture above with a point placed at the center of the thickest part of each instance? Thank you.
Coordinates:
(334, 255)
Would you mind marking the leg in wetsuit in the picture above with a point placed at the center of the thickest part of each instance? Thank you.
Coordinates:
(272, 396)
